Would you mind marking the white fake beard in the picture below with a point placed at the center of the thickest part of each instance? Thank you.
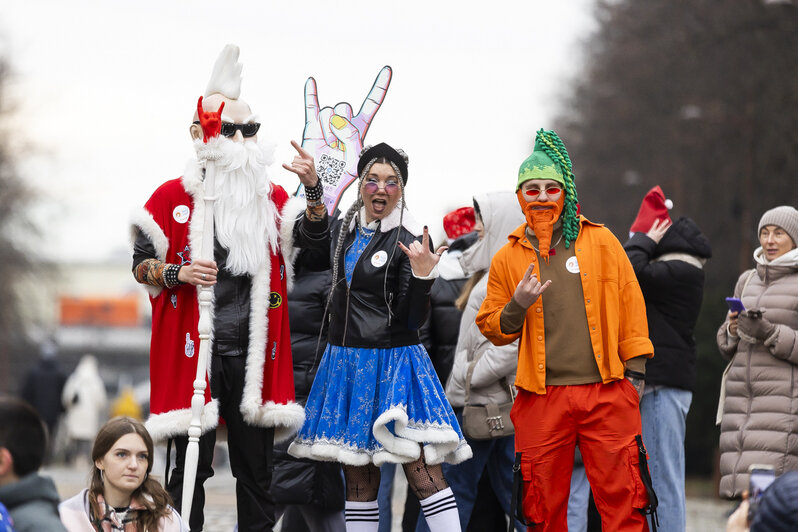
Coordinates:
(245, 218)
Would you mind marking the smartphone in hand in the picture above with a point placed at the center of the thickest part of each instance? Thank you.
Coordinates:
(735, 305)
(761, 476)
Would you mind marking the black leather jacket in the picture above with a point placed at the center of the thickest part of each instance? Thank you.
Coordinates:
(231, 300)
(385, 304)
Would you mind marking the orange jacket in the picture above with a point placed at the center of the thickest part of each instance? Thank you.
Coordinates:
(616, 311)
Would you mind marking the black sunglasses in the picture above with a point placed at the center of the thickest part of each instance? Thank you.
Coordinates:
(249, 129)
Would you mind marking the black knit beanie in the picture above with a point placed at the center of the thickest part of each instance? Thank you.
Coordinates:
(778, 508)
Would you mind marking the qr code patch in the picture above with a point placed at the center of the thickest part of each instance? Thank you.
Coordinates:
(330, 169)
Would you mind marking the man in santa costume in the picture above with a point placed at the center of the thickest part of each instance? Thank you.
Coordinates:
(565, 287)
(250, 371)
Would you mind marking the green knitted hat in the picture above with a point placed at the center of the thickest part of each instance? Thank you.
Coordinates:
(538, 166)
(549, 160)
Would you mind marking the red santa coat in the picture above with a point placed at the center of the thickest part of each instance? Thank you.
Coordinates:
(173, 221)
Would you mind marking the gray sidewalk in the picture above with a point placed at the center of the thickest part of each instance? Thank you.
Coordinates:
(703, 514)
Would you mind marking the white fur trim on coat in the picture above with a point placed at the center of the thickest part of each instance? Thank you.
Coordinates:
(392, 220)
(143, 220)
(175, 423)
(291, 210)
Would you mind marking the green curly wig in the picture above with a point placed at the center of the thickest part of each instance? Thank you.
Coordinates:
(549, 160)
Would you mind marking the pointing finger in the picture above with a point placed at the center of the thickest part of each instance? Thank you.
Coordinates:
(373, 101)
(302, 152)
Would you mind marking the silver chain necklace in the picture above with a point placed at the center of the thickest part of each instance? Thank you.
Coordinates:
(550, 247)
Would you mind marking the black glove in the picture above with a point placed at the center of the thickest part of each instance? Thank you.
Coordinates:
(752, 323)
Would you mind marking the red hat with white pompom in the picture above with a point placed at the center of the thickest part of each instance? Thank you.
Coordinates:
(654, 207)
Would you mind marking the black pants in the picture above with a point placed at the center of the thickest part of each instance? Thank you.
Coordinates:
(250, 451)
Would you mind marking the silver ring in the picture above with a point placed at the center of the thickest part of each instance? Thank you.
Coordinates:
(204, 276)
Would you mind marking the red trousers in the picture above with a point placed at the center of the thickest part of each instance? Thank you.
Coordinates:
(603, 420)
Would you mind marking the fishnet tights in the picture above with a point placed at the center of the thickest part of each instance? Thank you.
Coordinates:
(363, 482)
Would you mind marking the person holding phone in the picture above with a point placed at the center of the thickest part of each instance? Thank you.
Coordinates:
(759, 416)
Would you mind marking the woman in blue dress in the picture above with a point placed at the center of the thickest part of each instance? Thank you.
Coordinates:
(376, 397)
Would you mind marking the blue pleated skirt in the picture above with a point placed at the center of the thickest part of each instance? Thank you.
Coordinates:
(377, 406)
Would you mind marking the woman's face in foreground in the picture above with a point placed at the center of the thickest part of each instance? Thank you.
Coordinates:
(124, 466)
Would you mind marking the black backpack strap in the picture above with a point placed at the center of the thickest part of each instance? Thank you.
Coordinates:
(517, 497)
(168, 461)
(645, 476)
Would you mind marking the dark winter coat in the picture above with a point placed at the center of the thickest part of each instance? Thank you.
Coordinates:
(439, 334)
(33, 504)
(42, 389)
(385, 304)
(295, 480)
(671, 277)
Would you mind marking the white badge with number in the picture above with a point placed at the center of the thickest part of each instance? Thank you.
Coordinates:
(180, 214)
(379, 259)
(572, 265)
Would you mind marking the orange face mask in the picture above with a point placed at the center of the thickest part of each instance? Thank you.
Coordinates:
(542, 220)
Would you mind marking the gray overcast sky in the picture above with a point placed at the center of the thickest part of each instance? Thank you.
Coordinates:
(104, 92)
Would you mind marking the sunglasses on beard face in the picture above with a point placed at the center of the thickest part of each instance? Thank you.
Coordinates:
(372, 186)
(250, 129)
(534, 193)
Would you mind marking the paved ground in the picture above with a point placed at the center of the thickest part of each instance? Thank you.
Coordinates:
(704, 514)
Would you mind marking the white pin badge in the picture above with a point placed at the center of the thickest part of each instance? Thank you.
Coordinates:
(572, 265)
(379, 259)
(180, 214)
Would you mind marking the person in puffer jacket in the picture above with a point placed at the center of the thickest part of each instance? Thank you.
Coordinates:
(668, 258)
(759, 398)
(494, 367)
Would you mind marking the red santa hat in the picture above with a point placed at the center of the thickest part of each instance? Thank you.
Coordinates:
(459, 222)
(654, 207)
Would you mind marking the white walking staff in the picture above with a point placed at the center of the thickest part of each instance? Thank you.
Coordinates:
(205, 297)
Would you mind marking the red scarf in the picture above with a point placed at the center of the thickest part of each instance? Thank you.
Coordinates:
(541, 221)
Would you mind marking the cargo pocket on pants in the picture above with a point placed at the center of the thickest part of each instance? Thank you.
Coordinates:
(532, 506)
(640, 497)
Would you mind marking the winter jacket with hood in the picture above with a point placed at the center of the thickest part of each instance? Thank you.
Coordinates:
(32, 502)
(760, 411)
(500, 216)
(85, 400)
(671, 276)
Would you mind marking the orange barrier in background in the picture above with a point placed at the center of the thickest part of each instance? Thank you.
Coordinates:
(122, 311)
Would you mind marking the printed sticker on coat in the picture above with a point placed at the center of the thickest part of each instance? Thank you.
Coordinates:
(189, 349)
(379, 259)
(275, 300)
(180, 214)
(572, 265)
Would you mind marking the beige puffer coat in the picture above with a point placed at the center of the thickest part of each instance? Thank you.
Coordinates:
(760, 411)
(500, 215)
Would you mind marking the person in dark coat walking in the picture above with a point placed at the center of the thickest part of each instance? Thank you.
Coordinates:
(668, 259)
(310, 493)
(43, 386)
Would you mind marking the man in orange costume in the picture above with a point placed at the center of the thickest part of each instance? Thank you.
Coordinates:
(565, 286)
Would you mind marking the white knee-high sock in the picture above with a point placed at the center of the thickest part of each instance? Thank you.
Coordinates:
(440, 511)
(362, 516)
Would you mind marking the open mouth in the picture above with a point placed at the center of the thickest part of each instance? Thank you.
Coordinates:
(379, 205)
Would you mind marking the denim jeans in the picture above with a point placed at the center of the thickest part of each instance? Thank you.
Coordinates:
(496, 457)
(578, 500)
(664, 411)
(385, 496)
